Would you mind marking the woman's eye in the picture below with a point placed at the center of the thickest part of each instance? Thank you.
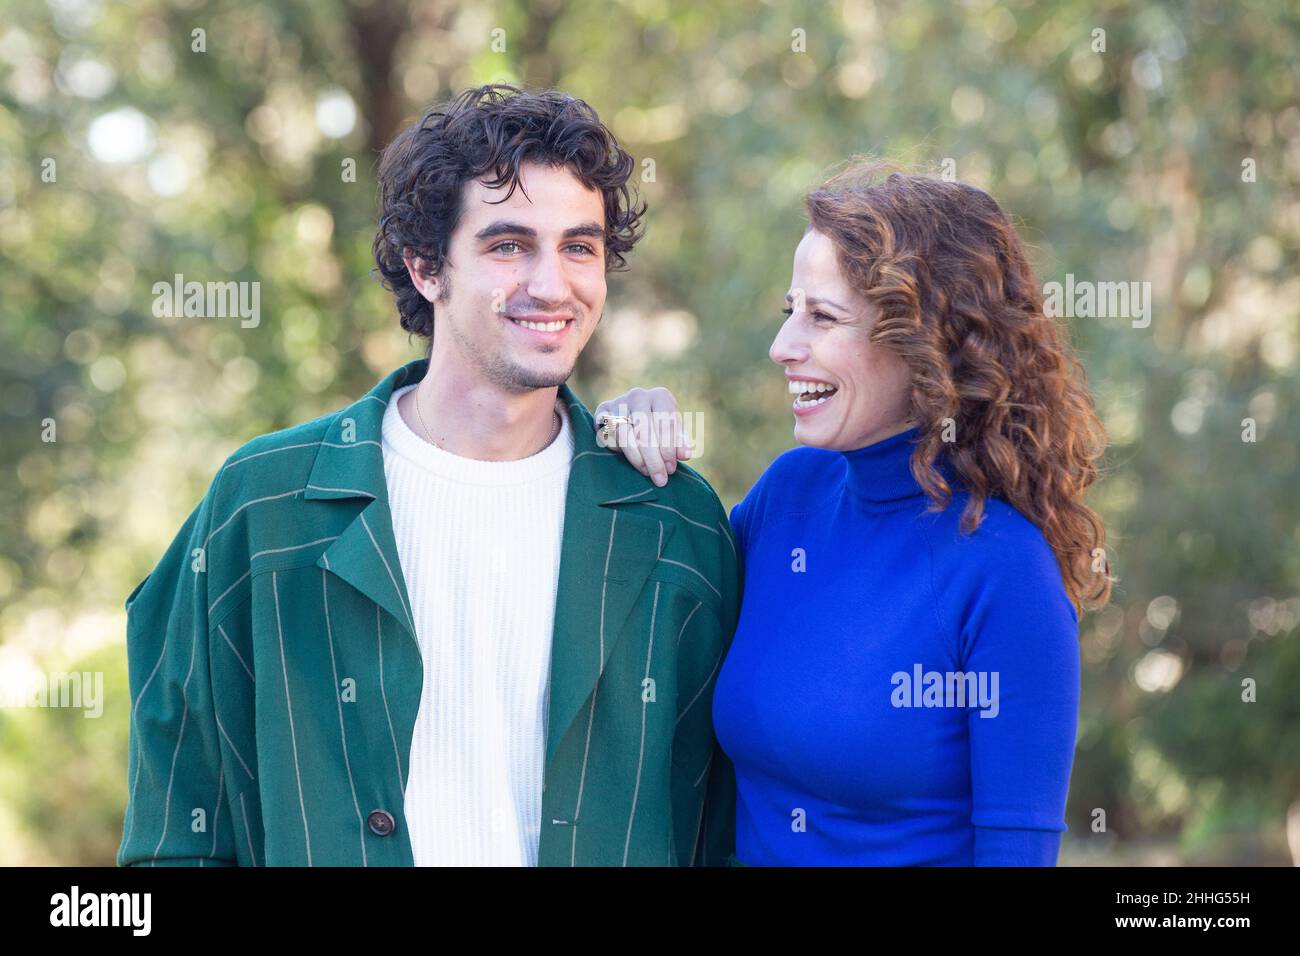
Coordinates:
(819, 316)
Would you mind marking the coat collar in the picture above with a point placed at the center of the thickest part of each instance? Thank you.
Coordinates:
(350, 464)
(600, 535)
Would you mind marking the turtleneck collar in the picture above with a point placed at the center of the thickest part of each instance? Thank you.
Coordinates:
(880, 475)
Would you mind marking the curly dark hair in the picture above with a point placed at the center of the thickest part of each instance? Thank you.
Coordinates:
(960, 304)
(488, 132)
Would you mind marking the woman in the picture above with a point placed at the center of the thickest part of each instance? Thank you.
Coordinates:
(903, 684)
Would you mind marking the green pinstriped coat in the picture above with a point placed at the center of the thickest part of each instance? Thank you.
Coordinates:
(275, 675)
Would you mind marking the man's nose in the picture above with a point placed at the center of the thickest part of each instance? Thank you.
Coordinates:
(548, 282)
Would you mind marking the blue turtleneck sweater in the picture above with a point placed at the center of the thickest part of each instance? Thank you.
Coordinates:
(896, 693)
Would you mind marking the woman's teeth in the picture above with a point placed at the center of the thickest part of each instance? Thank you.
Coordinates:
(542, 326)
(810, 393)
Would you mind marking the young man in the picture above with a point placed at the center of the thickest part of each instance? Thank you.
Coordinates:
(443, 625)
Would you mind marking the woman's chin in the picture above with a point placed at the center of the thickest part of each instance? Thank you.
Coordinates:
(813, 435)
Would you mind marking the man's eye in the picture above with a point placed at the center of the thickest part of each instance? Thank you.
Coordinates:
(583, 247)
(501, 246)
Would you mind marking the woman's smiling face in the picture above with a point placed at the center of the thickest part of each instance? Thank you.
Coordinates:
(856, 393)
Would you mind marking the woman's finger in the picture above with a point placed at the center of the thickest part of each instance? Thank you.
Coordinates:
(628, 446)
(648, 442)
(666, 429)
(667, 434)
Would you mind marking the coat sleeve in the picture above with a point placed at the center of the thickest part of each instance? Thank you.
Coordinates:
(716, 841)
(717, 838)
(177, 809)
(703, 786)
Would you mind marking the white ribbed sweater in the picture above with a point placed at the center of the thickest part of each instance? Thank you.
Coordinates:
(479, 543)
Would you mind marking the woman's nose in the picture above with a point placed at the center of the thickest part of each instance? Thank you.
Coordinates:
(788, 346)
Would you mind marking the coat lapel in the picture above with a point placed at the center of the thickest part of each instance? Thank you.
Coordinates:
(350, 464)
(608, 551)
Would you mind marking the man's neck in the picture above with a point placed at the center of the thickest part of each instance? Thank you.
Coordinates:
(473, 418)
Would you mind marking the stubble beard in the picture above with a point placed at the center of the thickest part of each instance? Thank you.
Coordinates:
(506, 375)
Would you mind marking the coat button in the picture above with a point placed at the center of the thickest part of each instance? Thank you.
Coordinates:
(381, 822)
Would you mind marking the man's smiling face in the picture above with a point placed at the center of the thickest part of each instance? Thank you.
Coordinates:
(523, 286)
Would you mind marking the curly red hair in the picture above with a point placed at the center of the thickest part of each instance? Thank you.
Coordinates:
(960, 304)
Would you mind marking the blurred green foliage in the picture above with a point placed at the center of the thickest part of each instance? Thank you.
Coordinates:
(231, 163)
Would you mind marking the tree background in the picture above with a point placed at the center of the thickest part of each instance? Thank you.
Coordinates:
(129, 154)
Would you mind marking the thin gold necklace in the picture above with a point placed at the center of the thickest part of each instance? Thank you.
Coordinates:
(429, 435)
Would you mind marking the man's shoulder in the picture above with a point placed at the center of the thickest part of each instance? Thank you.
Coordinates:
(275, 464)
(271, 454)
(303, 434)
(688, 493)
(702, 524)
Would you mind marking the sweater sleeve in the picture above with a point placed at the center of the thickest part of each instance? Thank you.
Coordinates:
(738, 524)
(740, 517)
(1021, 633)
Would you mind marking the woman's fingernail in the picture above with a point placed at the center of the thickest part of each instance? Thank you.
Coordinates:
(660, 479)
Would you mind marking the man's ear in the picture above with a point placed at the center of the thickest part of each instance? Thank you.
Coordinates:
(421, 276)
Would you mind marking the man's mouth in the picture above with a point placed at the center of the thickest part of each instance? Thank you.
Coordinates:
(552, 327)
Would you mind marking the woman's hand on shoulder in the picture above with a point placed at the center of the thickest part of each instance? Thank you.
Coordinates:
(647, 429)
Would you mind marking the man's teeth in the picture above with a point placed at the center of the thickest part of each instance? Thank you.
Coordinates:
(543, 326)
(806, 391)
